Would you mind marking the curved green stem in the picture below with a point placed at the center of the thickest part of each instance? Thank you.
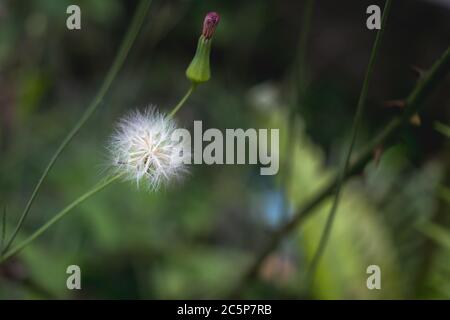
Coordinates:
(58, 217)
(183, 100)
(356, 122)
(135, 26)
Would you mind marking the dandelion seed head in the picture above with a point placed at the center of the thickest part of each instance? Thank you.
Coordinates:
(143, 149)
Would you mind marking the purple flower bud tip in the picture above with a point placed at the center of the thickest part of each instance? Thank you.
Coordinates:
(209, 24)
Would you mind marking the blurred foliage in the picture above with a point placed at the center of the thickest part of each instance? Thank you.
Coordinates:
(193, 240)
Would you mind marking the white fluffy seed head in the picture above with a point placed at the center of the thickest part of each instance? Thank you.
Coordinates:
(143, 149)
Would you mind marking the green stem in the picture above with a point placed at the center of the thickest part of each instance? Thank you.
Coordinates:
(301, 71)
(298, 92)
(356, 123)
(58, 217)
(183, 100)
(127, 42)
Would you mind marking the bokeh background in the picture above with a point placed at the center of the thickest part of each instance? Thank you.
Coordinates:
(194, 240)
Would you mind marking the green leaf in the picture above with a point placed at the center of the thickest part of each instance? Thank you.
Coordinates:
(437, 233)
(442, 128)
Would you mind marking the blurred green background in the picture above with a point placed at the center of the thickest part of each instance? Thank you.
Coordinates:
(194, 240)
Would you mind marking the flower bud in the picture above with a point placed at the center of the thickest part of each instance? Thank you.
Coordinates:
(209, 24)
(199, 69)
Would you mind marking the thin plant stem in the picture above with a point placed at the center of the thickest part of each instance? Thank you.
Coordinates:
(415, 100)
(301, 71)
(356, 124)
(183, 100)
(298, 84)
(133, 30)
(58, 217)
